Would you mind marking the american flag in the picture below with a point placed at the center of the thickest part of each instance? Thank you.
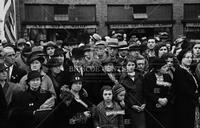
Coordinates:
(9, 20)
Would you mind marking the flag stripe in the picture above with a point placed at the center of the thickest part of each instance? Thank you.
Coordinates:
(10, 21)
(8, 35)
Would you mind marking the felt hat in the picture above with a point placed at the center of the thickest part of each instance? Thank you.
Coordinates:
(32, 75)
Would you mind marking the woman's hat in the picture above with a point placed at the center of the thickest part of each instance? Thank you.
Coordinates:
(158, 63)
(53, 62)
(50, 44)
(32, 75)
(109, 60)
(117, 89)
(33, 57)
(58, 52)
(181, 54)
(76, 78)
(77, 53)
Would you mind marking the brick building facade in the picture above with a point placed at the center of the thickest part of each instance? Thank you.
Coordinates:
(54, 19)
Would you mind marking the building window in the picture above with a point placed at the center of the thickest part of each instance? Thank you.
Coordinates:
(61, 13)
(139, 12)
(191, 11)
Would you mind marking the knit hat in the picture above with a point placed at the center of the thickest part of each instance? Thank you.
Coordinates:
(117, 89)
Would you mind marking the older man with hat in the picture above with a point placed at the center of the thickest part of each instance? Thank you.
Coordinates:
(123, 52)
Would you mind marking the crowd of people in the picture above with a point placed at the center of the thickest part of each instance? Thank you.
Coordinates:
(110, 82)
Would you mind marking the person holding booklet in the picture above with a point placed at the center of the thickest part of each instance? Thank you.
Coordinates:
(28, 108)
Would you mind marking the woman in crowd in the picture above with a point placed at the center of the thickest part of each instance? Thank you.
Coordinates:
(49, 49)
(160, 49)
(109, 76)
(187, 91)
(35, 62)
(28, 107)
(142, 64)
(56, 74)
(74, 111)
(159, 93)
(134, 99)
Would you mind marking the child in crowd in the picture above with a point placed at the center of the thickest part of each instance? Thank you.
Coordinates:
(108, 113)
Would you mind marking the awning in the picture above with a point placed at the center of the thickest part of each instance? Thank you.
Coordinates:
(140, 24)
(60, 25)
(191, 25)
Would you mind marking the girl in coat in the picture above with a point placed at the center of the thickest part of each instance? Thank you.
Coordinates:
(134, 98)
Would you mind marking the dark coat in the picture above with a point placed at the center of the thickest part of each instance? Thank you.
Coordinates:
(92, 84)
(3, 109)
(134, 89)
(64, 113)
(134, 96)
(186, 98)
(156, 116)
(58, 81)
(17, 74)
(23, 105)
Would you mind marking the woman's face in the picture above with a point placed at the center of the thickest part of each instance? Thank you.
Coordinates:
(76, 86)
(170, 62)
(35, 83)
(56, 69)
(36, 65)
(130, 67)
(107, 95)
(187, 59)
(121, 95)
(196, 50)
(162, 50)
(109, 67)
(50, 51)
(61, 58)
(164, 69)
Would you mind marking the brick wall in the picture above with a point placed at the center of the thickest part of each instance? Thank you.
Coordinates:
(101, 10)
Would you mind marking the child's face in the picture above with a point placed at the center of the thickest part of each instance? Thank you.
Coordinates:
(121, 96)
(107, 95)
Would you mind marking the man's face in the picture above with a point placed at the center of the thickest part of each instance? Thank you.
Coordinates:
(88, 56)
(151, 44)
(123, 53)
(112, 51)
(141, 64)
(10, 57)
